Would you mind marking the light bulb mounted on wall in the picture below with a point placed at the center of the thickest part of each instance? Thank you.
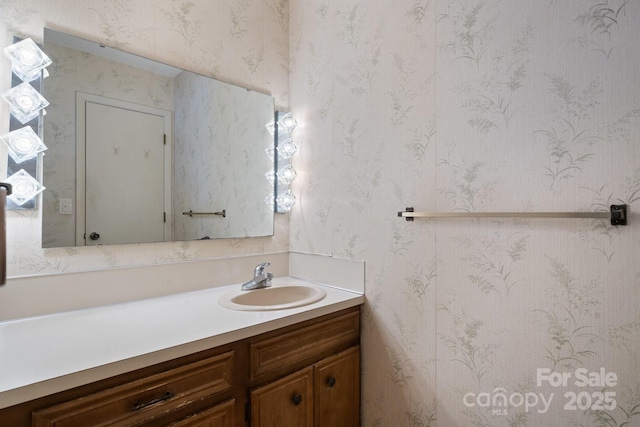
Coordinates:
(282, 199)
(23, 144)
(28, 61)
(26, 107)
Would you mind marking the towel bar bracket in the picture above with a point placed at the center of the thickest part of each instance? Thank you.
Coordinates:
(408, 218)
(618, 214)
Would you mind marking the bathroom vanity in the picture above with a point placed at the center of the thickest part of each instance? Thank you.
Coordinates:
(295, 367)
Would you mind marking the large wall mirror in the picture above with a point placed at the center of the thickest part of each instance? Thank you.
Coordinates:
(135, 144)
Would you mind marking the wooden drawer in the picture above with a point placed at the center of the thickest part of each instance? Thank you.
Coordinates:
(219, 416)
(143, 400)
(303, 345)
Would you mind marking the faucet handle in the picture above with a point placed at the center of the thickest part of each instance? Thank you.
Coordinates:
(260, 269)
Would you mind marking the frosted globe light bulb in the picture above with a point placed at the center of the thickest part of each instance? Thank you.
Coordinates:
(27, 59)
(23, 144)
(271, 127)
(271, 177)
(286, 175)
(286, 124)
(25, 187)
(271, 152)
(286, 201)
(270, 201)
(287, 149)
(24, 102)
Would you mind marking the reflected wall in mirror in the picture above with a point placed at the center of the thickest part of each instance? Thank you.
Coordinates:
(214, 158)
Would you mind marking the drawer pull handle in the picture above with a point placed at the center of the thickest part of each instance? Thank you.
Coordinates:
(297, 399)
(331, 381)
(137, 406)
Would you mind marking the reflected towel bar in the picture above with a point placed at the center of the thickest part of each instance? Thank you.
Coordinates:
(617, 214)
(223, 213)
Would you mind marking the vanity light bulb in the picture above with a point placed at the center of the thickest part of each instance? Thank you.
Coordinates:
(24, 102)
(286, 124)
(23, 144)
(271, 127)
(270, 201)
(286, 201)
(27, 59)
(286, 175)
(271, 152)
(271, 177)
(25, 187)
(287, 149)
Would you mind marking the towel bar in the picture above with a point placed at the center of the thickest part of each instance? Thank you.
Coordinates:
(617, 214)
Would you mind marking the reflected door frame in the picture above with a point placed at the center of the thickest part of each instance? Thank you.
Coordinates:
(81, 101)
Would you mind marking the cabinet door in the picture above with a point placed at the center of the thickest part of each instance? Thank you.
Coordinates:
(337, 390)
(219, 416)
(287, 402)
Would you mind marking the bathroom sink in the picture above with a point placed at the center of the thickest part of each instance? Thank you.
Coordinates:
(273, 298)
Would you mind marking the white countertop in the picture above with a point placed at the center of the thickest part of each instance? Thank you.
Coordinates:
(47, 354)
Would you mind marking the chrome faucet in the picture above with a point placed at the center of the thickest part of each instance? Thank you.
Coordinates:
(261, 279)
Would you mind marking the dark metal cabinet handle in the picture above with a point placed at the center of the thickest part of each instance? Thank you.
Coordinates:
(331, 381)
(94, 236)
(297, 399)
(137, 406)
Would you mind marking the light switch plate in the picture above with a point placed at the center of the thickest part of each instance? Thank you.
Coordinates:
(65, 206)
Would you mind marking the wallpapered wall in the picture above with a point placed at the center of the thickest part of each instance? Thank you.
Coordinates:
(442, 105)
(228, 174)
(242, 42)
(477, 105)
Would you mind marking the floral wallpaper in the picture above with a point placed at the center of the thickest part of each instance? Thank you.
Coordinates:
(229, 173)
(443, 105)
(241, 42)
(477, 105)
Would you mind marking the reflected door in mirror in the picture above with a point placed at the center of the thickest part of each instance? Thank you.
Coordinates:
(124, 164)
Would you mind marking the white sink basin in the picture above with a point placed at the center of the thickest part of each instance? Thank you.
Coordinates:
(273, 298)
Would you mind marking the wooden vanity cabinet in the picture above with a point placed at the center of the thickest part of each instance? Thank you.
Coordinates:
(305, 374)
(324, 388)
(325, 394)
